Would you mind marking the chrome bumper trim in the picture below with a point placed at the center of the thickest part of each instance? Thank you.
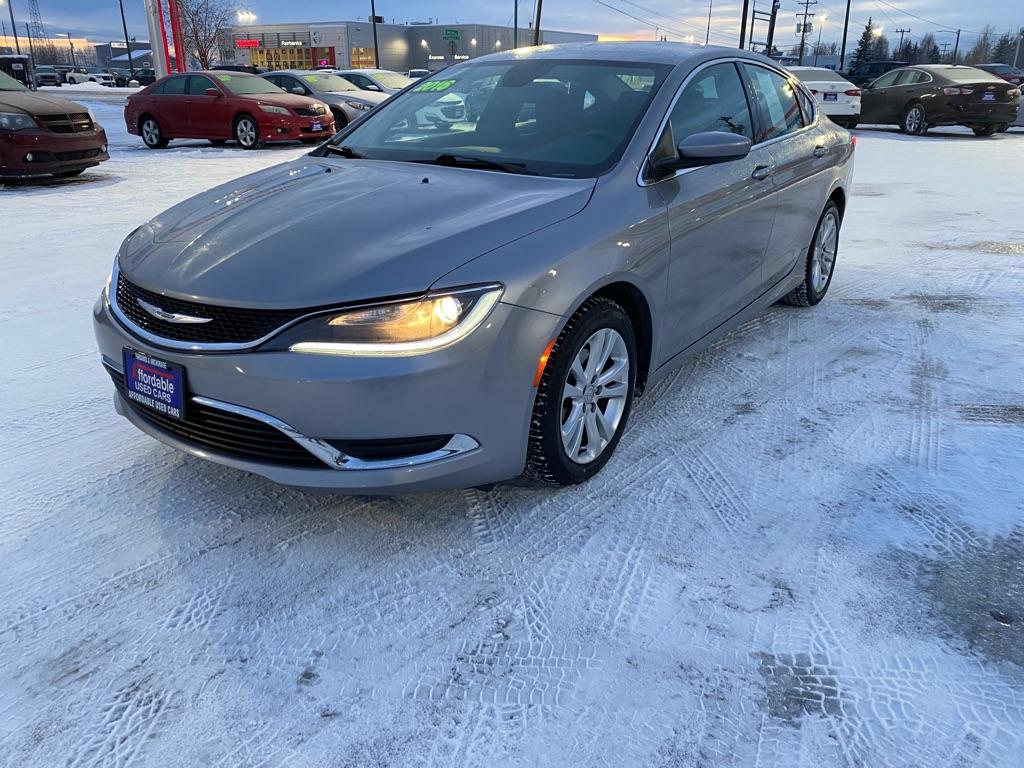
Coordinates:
(334, 458)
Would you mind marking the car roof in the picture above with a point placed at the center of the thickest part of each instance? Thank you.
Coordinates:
(646, 52)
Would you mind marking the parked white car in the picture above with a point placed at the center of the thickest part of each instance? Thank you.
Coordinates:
(836, 96)
(90, 75)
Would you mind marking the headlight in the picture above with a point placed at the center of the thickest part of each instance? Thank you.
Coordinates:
(358, 105)
(396, 328)
(274, 110)
(16, 121)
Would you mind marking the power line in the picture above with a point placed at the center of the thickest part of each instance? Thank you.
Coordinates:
(926, 21)
(648, 22)
(676, 19)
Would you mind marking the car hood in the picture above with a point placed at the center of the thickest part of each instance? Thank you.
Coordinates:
(291, 100)
(35, 103)
(365, 97)
(321, 231)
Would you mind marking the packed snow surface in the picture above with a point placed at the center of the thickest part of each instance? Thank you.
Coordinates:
(807, 551)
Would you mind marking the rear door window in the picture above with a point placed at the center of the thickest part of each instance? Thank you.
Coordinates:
(777, 102)
(174, 86)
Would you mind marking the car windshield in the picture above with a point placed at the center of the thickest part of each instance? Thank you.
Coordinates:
(391, 79)
(244, 84)
(966, 74)
(544, 116)
(325, 82)
(8, 83)
(818, 75)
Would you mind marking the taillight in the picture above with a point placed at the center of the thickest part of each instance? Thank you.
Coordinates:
(1013, 93)
(853, 92)
(853, 141)
(957, 91)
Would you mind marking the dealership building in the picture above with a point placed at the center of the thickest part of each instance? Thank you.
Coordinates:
(349, 44)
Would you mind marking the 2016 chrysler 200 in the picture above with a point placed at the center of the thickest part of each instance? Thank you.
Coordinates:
(420, 306)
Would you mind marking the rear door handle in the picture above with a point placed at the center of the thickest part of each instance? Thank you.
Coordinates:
(820, 151)
(763, 171)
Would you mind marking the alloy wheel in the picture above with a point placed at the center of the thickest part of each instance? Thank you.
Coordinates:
(914, 119)
(246, 132)
(150, 132)
(594, 396)
(824, 256)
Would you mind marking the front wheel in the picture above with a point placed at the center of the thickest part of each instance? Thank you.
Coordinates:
(584, 397)
(821, 261)
(915, 120)
(984, 130)
(247, 132)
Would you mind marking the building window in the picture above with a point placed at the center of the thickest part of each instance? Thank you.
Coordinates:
(362, 58)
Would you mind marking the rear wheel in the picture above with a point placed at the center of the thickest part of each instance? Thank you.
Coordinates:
(821, 261)
(915, 120)
(152, 135)
(584, 397)
(247, 132)
(983, 130)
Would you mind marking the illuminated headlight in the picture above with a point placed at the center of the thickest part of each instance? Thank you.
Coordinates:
(274, 110)
(358, 105)
(395, 328)
(16, 121)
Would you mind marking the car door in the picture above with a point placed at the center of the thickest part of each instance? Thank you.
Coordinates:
(208, 116)
(877, 100)
(171, 108)
(720, 216)
(800, 159)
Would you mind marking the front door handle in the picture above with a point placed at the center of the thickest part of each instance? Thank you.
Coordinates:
(820, 151)
(763, 171)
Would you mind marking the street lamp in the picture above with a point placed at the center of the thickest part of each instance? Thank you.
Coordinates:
(246, 17)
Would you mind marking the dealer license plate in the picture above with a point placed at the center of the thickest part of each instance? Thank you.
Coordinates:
(831, 97)
(154, 384)
(317, 125)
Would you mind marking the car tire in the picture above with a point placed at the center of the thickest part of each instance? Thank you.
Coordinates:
(247, 132)
(599, 327)
(915, 120)
(152, 134)
(814, 286)
(984, 130)
(340, 120)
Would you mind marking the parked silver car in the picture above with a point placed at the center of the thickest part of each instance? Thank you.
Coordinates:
(504, 286)
(346, 101)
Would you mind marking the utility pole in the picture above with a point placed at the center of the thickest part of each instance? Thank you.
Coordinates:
(536, 23)
(956, 46)
(846, 27)
(753, 17)
(807, 14)
(899, 49)
(707, 35)
(945, 47)
(743, 24)
(14, 27)
(127, 42)
(373, 19)
(74, 62)
(31, 58)
(769, 44)
(515, 24)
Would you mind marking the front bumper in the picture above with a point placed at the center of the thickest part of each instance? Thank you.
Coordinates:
(51, 152)
(290, 128)
(479, 390)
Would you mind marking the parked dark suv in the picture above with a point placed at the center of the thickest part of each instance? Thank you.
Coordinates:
(863, 74)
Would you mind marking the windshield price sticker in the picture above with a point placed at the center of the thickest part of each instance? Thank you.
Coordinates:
(434, 85)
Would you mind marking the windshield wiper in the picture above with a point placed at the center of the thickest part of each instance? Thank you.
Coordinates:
(344, 151)
(472, 161)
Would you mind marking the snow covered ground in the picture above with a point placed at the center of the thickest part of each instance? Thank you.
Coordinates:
(808, 550)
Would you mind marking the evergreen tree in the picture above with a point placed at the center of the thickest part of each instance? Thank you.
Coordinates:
(1004, 48)
(867, 38)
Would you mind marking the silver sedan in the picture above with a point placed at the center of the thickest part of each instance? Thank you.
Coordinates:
(419, 306)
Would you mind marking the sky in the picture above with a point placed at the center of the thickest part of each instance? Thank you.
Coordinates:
(637, 19)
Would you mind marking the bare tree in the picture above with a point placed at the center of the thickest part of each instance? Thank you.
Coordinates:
(203, 22)
(981, 51)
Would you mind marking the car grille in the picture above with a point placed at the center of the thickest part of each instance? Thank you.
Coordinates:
(84, 154)
(225, 433)
(229, 325)
(310, 111)
(79, 122)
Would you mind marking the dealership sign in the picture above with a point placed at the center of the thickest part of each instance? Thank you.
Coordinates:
(247, 43)
(291, 43)
(451, 34)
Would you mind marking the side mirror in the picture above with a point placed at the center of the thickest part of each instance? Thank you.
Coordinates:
(372, 87)
(299, 90)
(212, 92)
(707, 148)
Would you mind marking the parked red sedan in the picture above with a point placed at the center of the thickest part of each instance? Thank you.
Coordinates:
(220, 106)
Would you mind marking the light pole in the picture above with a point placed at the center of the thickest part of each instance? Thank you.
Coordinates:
(74, 62)
(817, 46)
(707, 35)
(14, 27)
(846, 28)
(127, 42)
